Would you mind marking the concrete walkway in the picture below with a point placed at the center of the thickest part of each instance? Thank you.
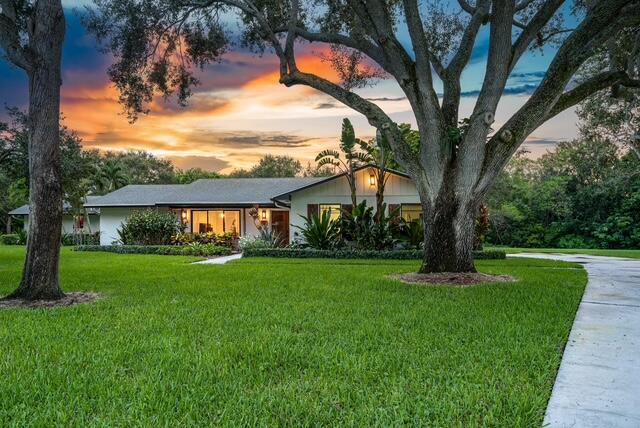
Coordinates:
(219, 260)
(598, 384)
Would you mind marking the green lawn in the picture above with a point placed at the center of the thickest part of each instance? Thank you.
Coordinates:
(631, 254)
(283, 342)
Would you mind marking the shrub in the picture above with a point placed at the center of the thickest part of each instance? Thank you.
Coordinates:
(356, 254)
(360, 228)
(19, 238)
(149, 227)
(223, 239)
(203, 250)
(10, 239)
(69, 239)
(320, 232)
(270, 237)
(411, 234)
(251, 242)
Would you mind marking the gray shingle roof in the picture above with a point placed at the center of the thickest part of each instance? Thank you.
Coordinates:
(221, 191)
(24, 210)
(138, 195)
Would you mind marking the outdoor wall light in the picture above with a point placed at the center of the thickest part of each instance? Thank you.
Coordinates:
(372, 179)
(264, 214)
(184, 216)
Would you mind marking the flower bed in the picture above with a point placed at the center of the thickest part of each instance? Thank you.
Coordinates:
(356, 254)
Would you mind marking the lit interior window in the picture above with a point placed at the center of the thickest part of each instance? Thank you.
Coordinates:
(332, 209)
(411, 212)
(216, 221)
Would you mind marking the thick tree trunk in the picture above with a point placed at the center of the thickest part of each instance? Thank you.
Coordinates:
(449, 234)
(40, 275)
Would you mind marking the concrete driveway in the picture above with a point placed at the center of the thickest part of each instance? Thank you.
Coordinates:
(598, 384)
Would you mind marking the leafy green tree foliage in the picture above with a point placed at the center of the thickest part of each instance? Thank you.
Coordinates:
(15, 194)
(142, 167)
(14, 161)
(192, 174)
(411, 138)
(614, 113)
(76, 164)
(110, 176)
(586, 194)
(270, 166)
(312, 170)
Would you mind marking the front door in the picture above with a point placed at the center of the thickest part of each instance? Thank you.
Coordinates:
(280, 224)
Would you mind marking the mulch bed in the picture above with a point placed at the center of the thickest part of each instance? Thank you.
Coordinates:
(69, 299)
(451, 279)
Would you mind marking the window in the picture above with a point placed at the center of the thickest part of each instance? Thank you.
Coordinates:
(411, 212)
(216, 221)
(332, 209)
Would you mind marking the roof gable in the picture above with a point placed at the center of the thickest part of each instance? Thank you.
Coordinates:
(286, 195)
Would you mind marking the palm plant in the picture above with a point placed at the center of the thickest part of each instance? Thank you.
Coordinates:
(110, 177)
(353, 158)
(320, 232)
(379, 155)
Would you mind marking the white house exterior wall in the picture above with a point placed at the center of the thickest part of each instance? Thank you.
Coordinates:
(399, 190)
(111, 220)
(67, 223)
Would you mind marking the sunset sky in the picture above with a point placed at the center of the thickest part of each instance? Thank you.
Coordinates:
(240, 112)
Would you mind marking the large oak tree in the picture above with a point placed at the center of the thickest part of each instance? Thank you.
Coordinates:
(31, 38)
(157, 43)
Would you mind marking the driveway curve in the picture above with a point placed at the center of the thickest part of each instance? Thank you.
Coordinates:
(598, 383)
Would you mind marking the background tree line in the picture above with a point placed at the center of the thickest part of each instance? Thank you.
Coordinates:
(586, 194)
(94, 172)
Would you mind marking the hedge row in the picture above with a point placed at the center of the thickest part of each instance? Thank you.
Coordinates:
(306, 253)
(11, 239)
(167, 250)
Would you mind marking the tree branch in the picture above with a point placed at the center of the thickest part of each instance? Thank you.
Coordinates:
(369, 49)
(451, 75)
(602, 22)
(590, 87)
(535, 25)
(523, 4)
(418, 39)
(467, 7)
(10, 40)
(374, 114)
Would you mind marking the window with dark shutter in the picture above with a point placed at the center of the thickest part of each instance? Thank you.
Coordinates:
(312, 210)
(394, 210)
(347, 208)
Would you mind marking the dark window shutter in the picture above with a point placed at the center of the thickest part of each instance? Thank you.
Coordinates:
(394, 210)
(347, 208)
(312, 210)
